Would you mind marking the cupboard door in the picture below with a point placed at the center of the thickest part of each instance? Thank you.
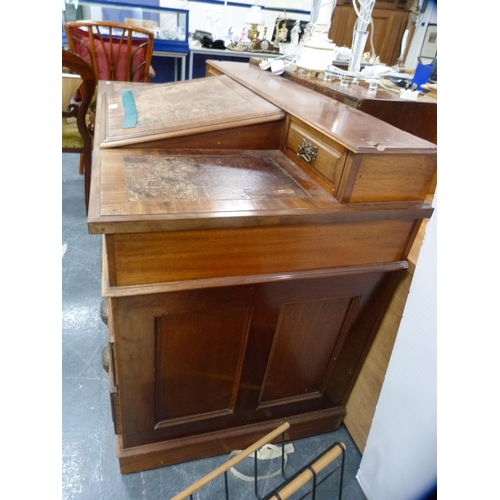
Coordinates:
(394, 4)
(385, 4)
(204, 360)
(389, 26)
(198, 357)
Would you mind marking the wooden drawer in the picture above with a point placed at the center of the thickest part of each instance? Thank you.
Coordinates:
(326, 167)
(362, 176)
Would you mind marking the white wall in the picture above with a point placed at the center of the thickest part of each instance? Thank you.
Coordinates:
(232, 17)
(400, 458)
(428, 17)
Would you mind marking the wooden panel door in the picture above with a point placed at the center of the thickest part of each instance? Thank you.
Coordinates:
(385, 4)
(199, 376)
(388, 29)
(394, 4)
(198, 361)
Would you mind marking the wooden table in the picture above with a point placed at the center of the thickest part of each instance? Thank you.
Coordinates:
(225, 54)
(245, 279)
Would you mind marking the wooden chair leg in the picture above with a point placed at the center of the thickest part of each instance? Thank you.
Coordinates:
(81, 167)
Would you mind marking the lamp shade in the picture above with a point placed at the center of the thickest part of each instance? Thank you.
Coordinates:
(255, 16)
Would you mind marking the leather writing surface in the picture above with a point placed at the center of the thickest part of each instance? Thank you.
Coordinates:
(137, 182)
(207, 177)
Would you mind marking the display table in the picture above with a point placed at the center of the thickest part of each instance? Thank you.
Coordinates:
(225, 54)
(176, 56)
(246, 271)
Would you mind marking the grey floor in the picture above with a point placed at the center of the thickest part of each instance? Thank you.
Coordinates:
(89, 465)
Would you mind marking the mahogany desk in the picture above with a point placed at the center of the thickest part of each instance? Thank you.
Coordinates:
(223, 54)
(253, 234)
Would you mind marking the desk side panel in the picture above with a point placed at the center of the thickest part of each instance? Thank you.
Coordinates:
(387, 178)
(145, 258)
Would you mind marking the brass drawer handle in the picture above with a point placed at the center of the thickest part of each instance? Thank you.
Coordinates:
(307, 151)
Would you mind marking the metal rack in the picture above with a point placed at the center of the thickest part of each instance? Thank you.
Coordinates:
(291, 484)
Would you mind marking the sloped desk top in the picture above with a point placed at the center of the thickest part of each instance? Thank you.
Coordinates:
(184, 108)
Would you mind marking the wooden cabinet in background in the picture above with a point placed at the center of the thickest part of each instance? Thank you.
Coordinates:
(385, 4)
(389, 23)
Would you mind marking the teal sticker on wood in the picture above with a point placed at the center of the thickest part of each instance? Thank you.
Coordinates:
(130, 116)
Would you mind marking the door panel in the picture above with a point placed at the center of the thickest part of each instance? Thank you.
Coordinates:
(388, 29)
(303, 345)
(197, 361)
(198, 358)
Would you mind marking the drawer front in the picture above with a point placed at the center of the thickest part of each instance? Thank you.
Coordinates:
(322, 159)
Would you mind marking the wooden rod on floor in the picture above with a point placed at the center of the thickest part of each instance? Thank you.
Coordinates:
(290, 488)
(231, 463)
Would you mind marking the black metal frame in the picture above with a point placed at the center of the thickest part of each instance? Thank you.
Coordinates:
(308, 466)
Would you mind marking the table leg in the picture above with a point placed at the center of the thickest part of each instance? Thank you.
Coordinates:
(191, 57)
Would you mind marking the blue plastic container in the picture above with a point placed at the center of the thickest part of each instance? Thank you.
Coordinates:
(422, 75)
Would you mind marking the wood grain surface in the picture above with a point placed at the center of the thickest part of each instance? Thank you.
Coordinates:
(348, 126)
(169, 110)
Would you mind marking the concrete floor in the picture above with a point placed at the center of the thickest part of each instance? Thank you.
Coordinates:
(90, 468)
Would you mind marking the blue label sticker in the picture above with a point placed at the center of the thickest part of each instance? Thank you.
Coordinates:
(130, 116)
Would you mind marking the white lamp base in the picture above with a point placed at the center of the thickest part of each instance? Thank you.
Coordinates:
(317, 54)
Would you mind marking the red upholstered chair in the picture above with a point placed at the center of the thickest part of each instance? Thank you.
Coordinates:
(124, 56)
(76, 137)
